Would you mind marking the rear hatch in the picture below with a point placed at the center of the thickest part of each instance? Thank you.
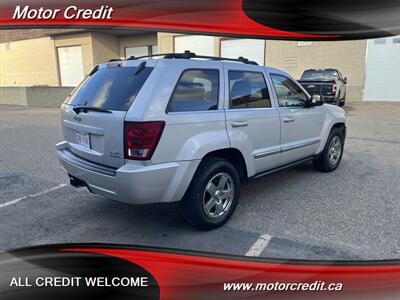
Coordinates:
(93, 116)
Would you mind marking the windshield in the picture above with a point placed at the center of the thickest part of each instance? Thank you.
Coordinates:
(320, 75)
(110, 88)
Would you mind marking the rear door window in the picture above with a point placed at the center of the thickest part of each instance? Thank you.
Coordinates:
(112, 88)
(196, 90)
(248, 90)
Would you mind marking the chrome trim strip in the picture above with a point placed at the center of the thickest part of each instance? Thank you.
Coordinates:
(285, 149)
(294, 147)
(251, 109)
(267, 153)
(79, 126)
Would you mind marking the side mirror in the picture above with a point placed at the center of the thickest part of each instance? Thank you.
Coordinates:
(345, 80)
(315, 100)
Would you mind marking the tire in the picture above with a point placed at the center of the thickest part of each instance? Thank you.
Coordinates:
(325, 161)
(206, 180)
(337, 102)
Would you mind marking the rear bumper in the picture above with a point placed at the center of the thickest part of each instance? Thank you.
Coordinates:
(132, 183)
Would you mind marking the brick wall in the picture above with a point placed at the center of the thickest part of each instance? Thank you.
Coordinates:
(11, 35)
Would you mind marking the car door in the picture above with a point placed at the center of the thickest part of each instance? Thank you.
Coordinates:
(300, 127)
(251, 119)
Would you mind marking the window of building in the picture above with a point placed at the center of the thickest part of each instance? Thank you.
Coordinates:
(196, 90)
(140, 51)
(290, 63)
(136, 51)
(70, 65)
(288, 92)
(248, 90)
(199, 44)
(304, 43)
(251, 49)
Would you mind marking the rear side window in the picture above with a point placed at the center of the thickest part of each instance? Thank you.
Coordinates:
(196, 90)
(110, 88)
(248, 90)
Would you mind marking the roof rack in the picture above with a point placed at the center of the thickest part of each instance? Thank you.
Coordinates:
(188, 55)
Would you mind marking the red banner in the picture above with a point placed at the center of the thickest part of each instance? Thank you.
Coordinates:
(313, 20)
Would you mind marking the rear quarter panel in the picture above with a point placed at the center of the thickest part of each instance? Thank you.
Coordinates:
(190, 136)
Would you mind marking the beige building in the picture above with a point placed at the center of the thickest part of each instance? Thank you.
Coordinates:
(291, 56)
(63, 57)
(39, 57)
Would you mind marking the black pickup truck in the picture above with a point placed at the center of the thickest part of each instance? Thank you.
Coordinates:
(328, 83)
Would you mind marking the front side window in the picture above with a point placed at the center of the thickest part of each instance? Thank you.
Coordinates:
(289, 93)
(248, 90)
(196, 90)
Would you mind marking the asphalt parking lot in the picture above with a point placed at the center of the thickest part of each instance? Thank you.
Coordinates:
(352, 213)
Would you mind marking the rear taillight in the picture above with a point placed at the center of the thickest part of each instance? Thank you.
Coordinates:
(141, 139)
(334, 88)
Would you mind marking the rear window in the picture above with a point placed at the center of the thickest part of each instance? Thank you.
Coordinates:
(110, 88)
(319, 75)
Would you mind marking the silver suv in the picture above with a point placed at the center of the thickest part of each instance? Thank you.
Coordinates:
(191, 128)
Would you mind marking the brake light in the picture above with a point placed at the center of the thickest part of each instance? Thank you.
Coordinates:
(334, 88)
(141, 139)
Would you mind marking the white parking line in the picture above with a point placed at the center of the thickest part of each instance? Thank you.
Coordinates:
(33, 195)
(259, 245)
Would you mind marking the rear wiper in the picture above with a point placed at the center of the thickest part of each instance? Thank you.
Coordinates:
(85, 109)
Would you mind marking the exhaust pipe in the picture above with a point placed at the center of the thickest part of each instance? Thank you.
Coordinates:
(76, 182)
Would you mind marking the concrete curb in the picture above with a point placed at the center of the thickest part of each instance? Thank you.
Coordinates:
(34, 96)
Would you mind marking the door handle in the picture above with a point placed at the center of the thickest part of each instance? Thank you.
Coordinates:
(239, 123)
(288, 119)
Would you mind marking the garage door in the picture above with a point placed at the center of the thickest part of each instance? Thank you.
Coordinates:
(136, 51)
(71, 66)
(382, 75)
(248, 48)
(198, 44)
